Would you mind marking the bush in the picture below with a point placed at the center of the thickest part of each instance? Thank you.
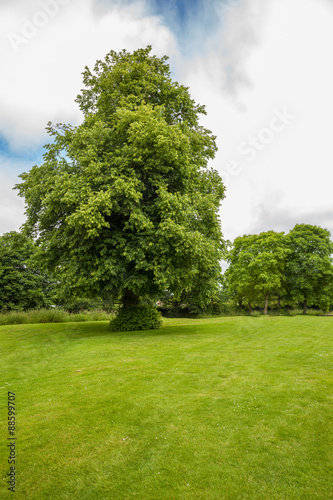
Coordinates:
(174, 311)
(294, 312)
(217, 308)
(315, 312)
(81, 304)
(214, 308)
(136, 318)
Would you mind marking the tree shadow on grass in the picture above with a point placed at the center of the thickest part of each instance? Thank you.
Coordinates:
(61, 332)
(101, 330)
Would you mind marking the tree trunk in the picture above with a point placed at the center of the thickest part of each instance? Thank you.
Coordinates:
(250, 308)
(279, 304)
(266, 303)
(130, 299)
(305, 306)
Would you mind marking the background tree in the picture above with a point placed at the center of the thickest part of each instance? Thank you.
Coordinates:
(198, 299)
(256, 267)
(124, 205)
(22, 286)
(309, 270)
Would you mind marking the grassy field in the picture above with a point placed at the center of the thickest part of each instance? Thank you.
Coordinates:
(223, 408)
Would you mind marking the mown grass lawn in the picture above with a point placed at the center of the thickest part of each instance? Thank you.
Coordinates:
(224, 408)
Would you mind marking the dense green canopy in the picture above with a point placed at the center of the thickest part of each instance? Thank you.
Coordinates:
(296, 267)
(22, 286)
(256, 266)
(309, 270)
(125, 204)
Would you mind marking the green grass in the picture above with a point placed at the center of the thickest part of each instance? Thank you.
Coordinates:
(223, 408)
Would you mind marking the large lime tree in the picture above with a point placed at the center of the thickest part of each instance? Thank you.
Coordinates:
(125, 204)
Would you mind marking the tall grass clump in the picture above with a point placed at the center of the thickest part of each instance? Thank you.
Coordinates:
(14, 318)
(315, 312)
(98, 316)
(48, 316)
(51, 316)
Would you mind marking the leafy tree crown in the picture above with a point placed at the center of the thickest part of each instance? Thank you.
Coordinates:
(125, 201)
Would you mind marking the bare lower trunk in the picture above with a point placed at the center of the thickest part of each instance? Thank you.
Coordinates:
(250, 308)
(266, 303)
(279, 304)
(130, 299)
(305, 306)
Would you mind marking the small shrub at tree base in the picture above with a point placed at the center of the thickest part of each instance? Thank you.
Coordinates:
(133, 318)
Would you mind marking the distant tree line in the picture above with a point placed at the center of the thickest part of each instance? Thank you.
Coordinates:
(269, 269)
(284, 269)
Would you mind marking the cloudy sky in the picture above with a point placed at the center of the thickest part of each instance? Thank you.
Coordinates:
(263, 70)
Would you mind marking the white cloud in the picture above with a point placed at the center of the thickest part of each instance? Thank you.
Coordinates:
(44, 65)
(44, 56)
(11, 205)
(286, 66)
(273, 213)
(263, 56)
